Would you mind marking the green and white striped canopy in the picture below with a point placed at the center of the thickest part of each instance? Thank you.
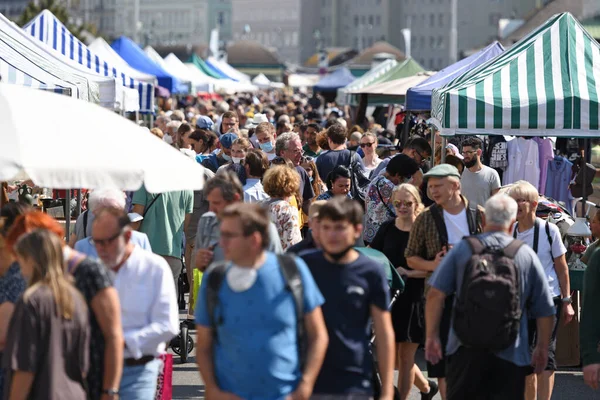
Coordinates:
(547, 84)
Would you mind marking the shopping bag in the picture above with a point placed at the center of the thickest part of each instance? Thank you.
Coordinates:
(197, 281)
(164, 385)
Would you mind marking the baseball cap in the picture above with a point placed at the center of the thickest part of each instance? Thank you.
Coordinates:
(227, 139)
(204, 122)
(442, 171)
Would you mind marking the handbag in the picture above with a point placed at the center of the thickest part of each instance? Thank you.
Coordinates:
(164, 384)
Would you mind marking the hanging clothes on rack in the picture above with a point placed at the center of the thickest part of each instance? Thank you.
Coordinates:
(558, 179)
(546, 155)
(523, 162)
(496, 154)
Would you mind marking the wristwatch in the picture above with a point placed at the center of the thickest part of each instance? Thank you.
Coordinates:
(567, 300)
(111, 392)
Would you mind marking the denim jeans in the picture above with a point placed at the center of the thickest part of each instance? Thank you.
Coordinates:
(139, 382)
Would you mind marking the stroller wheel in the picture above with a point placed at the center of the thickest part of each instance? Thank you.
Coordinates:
(184, 343)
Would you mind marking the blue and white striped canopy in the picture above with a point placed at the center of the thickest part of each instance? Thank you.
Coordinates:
(15, 76)
(48, 29)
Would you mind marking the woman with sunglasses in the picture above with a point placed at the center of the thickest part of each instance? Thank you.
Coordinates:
(408, 310)
(368, 144)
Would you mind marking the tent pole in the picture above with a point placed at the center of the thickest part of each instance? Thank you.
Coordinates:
(406, 130)
(584, 179)
(68, 214)
(444, 144)
(78, 202)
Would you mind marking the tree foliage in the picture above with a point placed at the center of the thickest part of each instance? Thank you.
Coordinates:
(61, 12)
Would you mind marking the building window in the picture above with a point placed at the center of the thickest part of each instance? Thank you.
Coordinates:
(363, 20)
(422, 42)
(370, 20)
(440, 64)
(441, 20)
(221, 18)
(431, 65)
(440, 42)
(378, 20)
(431, 20)
(356, 20)
(431, 44)
(355, 43)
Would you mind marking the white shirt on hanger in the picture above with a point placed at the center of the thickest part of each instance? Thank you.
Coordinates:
(523, 162)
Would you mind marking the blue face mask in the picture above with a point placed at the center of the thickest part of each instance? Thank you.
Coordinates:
(311, 179)
(226, 157)
(267, 147)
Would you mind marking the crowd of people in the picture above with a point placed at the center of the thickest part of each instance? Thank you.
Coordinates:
(287, 302)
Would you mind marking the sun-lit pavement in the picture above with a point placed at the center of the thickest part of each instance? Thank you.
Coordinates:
(188, 385)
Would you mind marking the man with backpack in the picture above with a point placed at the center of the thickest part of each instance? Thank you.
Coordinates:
(545, 240)
(500, 285)
(260, 330)
(434, 232)
(356, 292)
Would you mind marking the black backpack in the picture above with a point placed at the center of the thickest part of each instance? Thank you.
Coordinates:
(487, 313)
(293, 284)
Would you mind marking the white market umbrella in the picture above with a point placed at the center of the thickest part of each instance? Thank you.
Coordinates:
(92, 148)
(261, 81)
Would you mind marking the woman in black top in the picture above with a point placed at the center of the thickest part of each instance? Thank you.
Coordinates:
(408, 311)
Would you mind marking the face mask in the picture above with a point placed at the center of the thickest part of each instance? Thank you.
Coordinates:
(338, 256)
(226, 157)
(266, 147)
(241, 279)
(168, 139)
(311, 179)
(237, 160)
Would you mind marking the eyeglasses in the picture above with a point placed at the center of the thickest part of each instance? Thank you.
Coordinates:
(105, 242)
(423, 158)
(465, 152)
(363, 145)
(399, 203)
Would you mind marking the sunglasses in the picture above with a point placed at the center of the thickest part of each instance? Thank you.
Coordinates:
(398, 203)
(363, 145)
(105, 242)
(307, 159)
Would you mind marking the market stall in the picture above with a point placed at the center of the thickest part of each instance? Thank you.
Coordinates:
(136, 58)
(158, 60)
(48, 29)
(343, 95)
(200, 82)
(546, 85)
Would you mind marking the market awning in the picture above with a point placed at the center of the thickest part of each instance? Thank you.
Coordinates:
(48, 29)
(343, 97)
(418, 98)
(392, 92)
(547, 84)
(332, 82)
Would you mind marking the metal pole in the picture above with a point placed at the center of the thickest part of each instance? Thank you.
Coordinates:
(583, 178)
(68, 214)
(79, 202)
(444, 144)
(453, 32)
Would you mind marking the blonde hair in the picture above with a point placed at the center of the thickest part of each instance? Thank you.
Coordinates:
(281, 181)
(243, 143)
(523, 190)
(44, 249)
(157, 132)
(414, 192)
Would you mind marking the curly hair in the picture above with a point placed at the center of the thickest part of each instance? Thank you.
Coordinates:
(281, 181)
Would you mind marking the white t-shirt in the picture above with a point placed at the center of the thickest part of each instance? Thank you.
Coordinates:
(457, 226)
(545, 254)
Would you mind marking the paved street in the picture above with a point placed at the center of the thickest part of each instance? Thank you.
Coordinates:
(188, 385)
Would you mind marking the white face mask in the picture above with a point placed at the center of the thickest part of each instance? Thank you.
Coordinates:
(241, 279)
(237, 160)
(167, 138)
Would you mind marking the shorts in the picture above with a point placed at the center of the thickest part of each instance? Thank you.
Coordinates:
(480, 375)
(532, 327)
(439, 370)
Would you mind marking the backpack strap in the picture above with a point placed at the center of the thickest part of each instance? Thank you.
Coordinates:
(548, 234)
(215, 280)
(85, 222)
(151, 203)
(511, 250)
(477, 246)
(536, 235)
(438, 218)
(293, 282)
(386, 205)
(472, 219)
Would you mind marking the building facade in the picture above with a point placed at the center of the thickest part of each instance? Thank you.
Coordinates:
(286, 26)
(219, 16)
(12, 9)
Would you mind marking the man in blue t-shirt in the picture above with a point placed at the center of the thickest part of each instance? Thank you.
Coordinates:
(356, 291)
(252, 352)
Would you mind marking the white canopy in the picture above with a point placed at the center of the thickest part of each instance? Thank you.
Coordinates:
(261, 81)
(103, 49)
(224, 86)
(200, 82)
(154, 56)
(107, 149)
(229, 70)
